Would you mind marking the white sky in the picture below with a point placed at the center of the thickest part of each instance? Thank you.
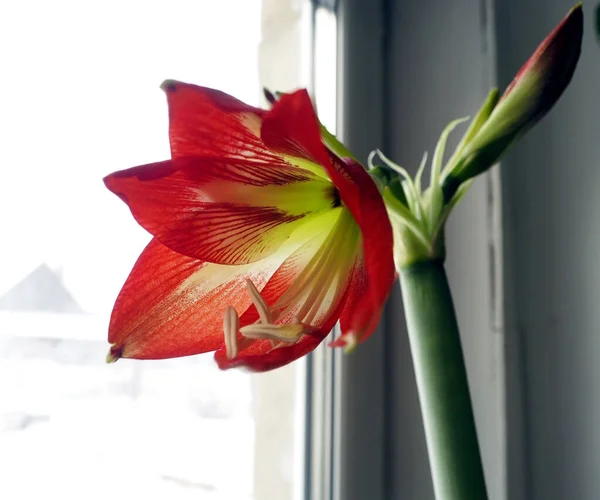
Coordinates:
(80, 98)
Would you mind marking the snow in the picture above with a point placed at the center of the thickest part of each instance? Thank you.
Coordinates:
(74, 427)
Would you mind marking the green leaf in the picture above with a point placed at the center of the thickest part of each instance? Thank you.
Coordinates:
(436, 200)
(413, 198)
(476, 123)
(420, 173)
(408, 231)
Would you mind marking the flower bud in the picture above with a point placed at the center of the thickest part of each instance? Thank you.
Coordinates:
(532, 93)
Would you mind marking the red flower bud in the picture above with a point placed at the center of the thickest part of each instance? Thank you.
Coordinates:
(533, 92)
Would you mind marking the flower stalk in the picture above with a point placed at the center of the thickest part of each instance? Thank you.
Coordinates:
(418, 217)
(452, 444)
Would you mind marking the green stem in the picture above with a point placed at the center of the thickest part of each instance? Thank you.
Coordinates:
(450, 431)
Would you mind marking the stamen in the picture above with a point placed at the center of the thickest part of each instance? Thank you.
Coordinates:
(334, 289)
(285, 333)
(261, 306)
(321, 283)
(276, 344)
(306, 277)
(317, 286)
(231, 326)
(315, 282)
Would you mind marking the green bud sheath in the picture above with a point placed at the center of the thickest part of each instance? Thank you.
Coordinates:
(534, 91)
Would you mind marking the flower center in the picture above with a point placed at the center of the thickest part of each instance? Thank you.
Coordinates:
(325, 265)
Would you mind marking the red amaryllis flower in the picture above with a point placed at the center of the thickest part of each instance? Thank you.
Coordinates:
(262, 238)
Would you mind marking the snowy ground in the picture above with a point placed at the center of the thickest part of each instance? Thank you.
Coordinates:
(75, 428)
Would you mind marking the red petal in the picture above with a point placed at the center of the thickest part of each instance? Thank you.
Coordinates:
(374, 274)
(172, 305)
(360, 316)
(292, 128)
(261, 356)
(208, 122)
(376, 230)
(554, 60)
(211, 210)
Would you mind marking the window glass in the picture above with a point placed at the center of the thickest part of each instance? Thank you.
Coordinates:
(80, 98)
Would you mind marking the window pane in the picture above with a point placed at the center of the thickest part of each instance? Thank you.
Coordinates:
(80, 98)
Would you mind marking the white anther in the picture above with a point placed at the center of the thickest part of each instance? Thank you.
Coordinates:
(285, 333)
(261, 306)
(231, 326)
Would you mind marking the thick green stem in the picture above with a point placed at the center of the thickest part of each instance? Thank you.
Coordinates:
(442, 383)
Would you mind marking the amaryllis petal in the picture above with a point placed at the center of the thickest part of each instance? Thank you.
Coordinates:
(374, 273)
(261, 356)
(550, 69)
(360, 316)
(376, 230)
(292, 128)
(208, 122)
(172, 305)
(227, 213)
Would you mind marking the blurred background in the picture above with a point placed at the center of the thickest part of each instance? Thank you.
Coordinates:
(80, 98)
